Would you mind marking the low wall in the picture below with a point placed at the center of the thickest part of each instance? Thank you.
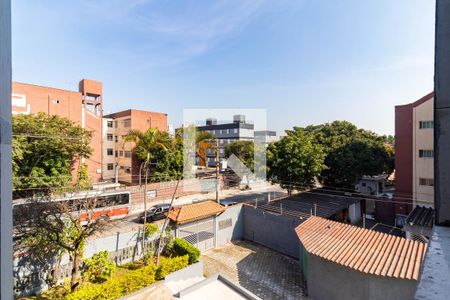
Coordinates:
(273, 231)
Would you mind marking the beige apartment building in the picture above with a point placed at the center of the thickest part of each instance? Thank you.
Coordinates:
(414, 155)
(126, 164)
(423, 153)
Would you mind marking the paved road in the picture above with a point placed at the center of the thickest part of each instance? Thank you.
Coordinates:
(132, 220)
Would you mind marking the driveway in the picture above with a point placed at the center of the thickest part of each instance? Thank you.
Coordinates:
(266, 273)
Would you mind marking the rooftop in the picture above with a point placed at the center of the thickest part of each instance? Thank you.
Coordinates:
(421, 216)
(196, 211)
(362, 249)
(301, 205)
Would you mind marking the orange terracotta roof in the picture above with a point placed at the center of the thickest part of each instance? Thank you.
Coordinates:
(196, 211)
(362, 249)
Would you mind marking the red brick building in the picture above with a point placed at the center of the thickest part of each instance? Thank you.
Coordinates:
(126, 164)
(83, 107)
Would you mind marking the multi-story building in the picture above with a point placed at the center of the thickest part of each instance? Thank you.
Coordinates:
(109, 149)
(83, 107)
(121, 153)
(227, 133)
(414, 165)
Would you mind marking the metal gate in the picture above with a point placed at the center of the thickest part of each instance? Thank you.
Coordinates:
(199, 233)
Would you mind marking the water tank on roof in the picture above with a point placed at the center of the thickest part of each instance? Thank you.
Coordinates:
(239, 119)
(211, 121)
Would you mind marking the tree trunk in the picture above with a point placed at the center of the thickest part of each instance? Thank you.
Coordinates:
(75, 266)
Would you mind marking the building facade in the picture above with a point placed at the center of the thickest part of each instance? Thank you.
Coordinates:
(227, 133)
(109, 149)
(414, 155)
(126, 164)
(84, 107)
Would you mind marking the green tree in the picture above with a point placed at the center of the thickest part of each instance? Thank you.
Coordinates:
(42, 226)
(350, 152)
(294, 161)
(98, 268)
(44, 149)
(160, 150)
(83, 179)
(244, 150)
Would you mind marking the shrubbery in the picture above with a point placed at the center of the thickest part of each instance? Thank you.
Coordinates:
(169, 265)
(182, 247)
(98, 268)
(116, 287)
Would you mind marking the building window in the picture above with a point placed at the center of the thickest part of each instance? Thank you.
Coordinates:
(128, 154)
(127, 123)
(116, 124)
(426, 153)
(117, 153)
(426, 124)
(109, 151)
(120, 153)
(128, 170)
(116, 138)
(109, 124)
(235, 130)
(110, 167)
(426, 181)
(221, 141)
(109, 137)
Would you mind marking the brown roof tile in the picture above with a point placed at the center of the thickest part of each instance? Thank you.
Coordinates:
(362, 249)
(196, 211)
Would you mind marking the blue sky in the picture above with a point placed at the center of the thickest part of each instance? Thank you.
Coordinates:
(305, 61)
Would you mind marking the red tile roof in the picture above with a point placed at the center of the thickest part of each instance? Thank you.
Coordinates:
(362, 249)
(196, 211)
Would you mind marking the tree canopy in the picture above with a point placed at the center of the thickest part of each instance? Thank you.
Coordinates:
(295, 160)
(163, 152)
(350, 152)
(44, 149)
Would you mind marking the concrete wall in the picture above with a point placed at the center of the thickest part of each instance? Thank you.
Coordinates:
(328, 280)
(235, 231)
(270, 230)
(5, 152)
(442, 113)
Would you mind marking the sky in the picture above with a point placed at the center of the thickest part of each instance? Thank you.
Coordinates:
(303, 61)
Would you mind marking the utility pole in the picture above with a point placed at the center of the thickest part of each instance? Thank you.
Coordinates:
(145, 166)
(217, 171)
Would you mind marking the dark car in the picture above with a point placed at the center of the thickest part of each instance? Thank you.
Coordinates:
(227, 202)
(156, 212)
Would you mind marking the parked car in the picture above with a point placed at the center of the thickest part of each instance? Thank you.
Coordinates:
(156, 212)
(227, 202)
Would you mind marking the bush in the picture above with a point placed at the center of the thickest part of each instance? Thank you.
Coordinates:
(169, 265)
(116, 287)
(182, 247)
(98, 268)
